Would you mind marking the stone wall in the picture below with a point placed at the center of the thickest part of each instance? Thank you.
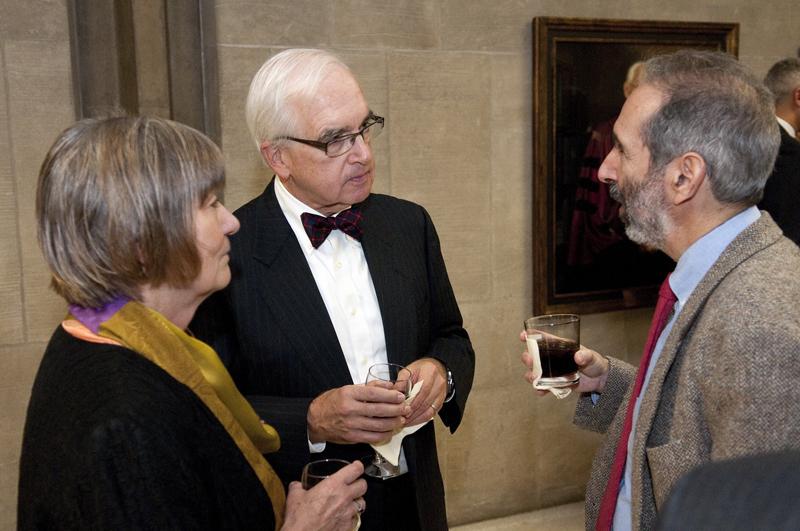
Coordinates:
(453, 79)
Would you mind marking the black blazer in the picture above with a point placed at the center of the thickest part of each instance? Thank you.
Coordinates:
(783, 186)
(271, 328)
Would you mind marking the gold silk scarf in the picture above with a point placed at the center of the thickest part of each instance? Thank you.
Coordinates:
(197, 366)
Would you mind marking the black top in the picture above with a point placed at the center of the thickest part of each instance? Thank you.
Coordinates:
(783, 187)
(112, 441)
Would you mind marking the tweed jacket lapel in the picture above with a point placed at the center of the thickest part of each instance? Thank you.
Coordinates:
(293, 298)
(753, 239)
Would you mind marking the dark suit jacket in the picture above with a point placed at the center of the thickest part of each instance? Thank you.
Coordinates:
(783, 187)
(271, 328)
(745, 494)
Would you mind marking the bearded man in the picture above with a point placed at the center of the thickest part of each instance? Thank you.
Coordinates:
(693, 147)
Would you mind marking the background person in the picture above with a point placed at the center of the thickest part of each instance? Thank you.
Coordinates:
(308, 312)
(132, 423)
(742, 494)
(783, 185)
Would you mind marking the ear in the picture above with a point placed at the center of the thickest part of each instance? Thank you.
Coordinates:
(274, 156)
(686, 175)
(796, 97)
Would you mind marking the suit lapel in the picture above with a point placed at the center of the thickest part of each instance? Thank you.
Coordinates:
(292, 296)
(386, 277)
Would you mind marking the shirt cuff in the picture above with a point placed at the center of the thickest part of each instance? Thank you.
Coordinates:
(316, 448)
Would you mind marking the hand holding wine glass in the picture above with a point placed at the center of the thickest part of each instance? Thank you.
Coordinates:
(356, 414)
(393, 377)
(329, 498)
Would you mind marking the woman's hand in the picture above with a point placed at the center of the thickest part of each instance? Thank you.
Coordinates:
(331, 505)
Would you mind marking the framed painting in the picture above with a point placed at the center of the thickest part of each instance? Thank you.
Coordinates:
(582, 260)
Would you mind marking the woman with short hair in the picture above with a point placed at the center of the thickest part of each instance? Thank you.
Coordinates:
(132, 422)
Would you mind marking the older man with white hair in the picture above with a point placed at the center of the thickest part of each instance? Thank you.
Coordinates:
(329, 279)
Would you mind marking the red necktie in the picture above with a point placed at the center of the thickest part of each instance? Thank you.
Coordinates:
(664, 306)
(318, 227)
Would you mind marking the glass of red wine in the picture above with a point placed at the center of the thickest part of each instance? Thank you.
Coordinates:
(552, 342)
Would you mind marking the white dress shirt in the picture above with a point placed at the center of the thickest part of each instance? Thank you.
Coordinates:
(787, 126)
(343, 279)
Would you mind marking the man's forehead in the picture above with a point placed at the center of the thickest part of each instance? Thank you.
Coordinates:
(338, 103)
(642, 103)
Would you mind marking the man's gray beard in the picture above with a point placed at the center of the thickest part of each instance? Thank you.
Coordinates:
(645, 218)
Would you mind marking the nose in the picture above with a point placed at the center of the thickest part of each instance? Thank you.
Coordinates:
(230, 224)
(608, 169)
(361, 150)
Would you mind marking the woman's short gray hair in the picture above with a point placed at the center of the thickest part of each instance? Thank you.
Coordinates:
(115, 206)
(285, 78)
(714, 106)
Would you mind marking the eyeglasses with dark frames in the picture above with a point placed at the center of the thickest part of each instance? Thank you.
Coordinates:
(340, 145)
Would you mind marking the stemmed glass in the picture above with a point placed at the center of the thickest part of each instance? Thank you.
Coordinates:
(398, 378)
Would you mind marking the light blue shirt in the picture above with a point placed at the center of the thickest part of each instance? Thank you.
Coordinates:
(690, 270)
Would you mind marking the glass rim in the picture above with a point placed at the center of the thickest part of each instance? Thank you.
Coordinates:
(329, 460)
(554, 319)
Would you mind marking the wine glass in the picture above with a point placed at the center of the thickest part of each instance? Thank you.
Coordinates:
(316, 471)
(398, 378)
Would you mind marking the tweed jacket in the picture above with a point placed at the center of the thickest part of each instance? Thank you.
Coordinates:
(725, 384)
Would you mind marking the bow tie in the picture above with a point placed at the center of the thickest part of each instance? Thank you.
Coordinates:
(318, 227)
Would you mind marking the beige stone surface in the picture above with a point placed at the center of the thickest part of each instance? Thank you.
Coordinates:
(299, 23)
(494, 26)
(511, 140)
(11, 311)
(9, 477)
(152, 78)
(567, 517)
(515, 450)
(38, 72)
(34, 20)
(491, 451)
(494, 329)
(439, 141)
(246, 174)
(19, 365)
(403, 24)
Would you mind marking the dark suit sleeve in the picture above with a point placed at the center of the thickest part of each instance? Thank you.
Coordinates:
(449, 341)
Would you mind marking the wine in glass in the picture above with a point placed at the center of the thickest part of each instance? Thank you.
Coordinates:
(398, 378)
(316, 471)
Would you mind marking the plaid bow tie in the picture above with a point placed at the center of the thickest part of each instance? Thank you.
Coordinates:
(318, 227)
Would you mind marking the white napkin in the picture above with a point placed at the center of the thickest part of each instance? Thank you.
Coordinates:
(390, 450)
(533, 350)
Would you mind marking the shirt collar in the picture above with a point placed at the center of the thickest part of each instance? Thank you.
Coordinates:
(786, 125)
(292, 209)
(702, 254)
